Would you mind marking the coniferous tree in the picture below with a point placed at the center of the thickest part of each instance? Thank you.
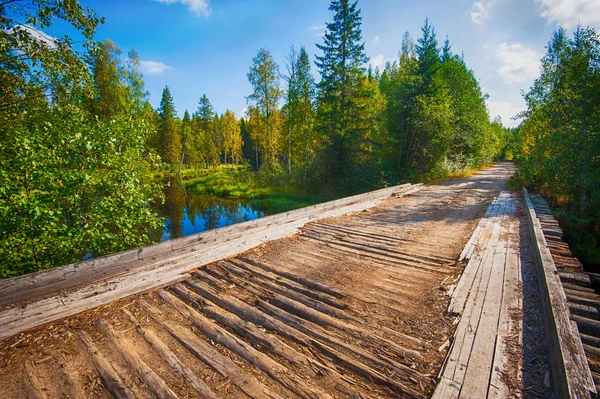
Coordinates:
(169, 140)
(186, 137)
(205, 130)
(342, 68)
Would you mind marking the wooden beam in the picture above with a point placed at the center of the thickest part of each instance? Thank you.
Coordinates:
(571, 374)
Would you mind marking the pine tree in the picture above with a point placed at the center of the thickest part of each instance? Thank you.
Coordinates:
(342, 68)
(169, 140)
(204, 128)
(428, 55)
(185, 135)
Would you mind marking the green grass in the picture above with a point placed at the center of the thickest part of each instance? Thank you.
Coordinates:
(244, 184)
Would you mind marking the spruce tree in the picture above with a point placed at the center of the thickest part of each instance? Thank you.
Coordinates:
(342, 68)
(169, 140)
(204, 128)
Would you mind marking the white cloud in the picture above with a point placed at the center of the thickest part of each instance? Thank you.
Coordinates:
(519, 63)
(198, 7)
(376, 39)
(506, 111)
(378, 61)
(480, 10)
(569, 13)
(153, 67)
(317, 27)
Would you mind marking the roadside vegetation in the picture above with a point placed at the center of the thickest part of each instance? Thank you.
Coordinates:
(557, 146)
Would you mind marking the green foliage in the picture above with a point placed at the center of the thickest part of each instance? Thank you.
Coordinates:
(169, 142)
(264, 110)
(72, 156)
(299, 134)
(79, 138)
(560, 138)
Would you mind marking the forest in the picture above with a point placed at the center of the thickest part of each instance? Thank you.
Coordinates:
(82, 150)
(558, 144)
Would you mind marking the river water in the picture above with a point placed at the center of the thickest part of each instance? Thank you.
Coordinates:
(185, 213)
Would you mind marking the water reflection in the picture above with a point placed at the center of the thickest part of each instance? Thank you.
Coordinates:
(186, 213)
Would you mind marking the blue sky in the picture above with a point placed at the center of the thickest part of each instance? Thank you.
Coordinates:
(206, 46)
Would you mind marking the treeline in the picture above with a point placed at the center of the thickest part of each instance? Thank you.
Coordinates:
(423, 115)
(79, 138)
(558, 144)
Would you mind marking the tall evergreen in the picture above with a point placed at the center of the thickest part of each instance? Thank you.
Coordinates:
(428, 55)
(204, 129)
(342, 68)
(169, 140)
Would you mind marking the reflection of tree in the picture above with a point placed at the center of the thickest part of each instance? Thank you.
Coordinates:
(173, 207)
(214, 212)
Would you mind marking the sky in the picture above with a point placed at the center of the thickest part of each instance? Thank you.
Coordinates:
(206, 46)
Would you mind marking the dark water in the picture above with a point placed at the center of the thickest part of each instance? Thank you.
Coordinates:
(186, 213)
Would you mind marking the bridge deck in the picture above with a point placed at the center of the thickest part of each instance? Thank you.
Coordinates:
(353, 306)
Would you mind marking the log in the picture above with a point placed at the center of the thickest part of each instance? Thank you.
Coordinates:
(279, 373)
(33, 386)
(571, 375)
(310, 284)
(302, 333)
(317, 317)
(110, 379)
(296, 296)
(75, 390)
(403, 372)
(156, 384)
(289, 284)
(220, 363)
(172, 360)
(248, 330)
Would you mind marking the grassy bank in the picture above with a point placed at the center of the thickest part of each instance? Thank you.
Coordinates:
(244, 184)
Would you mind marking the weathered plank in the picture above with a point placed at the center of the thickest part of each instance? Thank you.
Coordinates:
(124, 348)
(110, 378)
(571, 375)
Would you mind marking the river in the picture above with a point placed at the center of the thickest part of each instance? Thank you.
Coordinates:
(185, 213)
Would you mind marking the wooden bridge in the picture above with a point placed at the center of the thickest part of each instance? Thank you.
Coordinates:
(461, 289)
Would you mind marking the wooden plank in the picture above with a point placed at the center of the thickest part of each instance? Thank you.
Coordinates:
(125, 349)
(480, 365)
(465, 284)
(511, 300)
(446, 389)
(42, 283)
(477, 299)
(471, 332)
(571, 375)
(16, 320)
(110, 378)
